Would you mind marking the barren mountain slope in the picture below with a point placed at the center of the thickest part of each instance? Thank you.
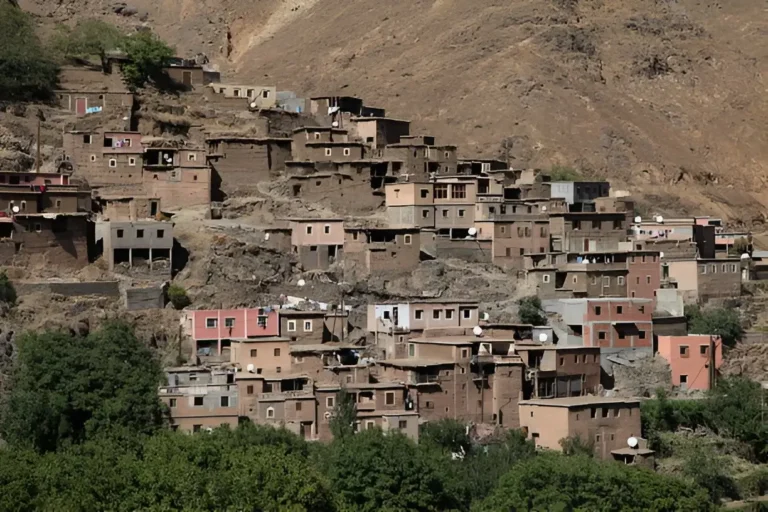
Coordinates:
(667, 97)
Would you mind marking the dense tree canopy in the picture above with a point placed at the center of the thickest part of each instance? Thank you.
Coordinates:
(67, 388)
(722, 322)
(27, 71)
(148, 55)
(530, 312)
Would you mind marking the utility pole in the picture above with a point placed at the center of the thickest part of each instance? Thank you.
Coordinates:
(712, 369)
(39, 122)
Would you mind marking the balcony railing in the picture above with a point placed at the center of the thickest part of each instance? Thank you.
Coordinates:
(286, 395)
(418, 379)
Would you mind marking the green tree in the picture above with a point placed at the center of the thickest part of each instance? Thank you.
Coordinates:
(372, 471)
(711, 473)
(344, 415)
(26, 70)
(89, 38)
(575, 445)
(7, 290)
(148, 55)
(66, 388)
(530, 312)
(446, 434)
(721, 322)
(734, 408)
(564, 173)
(554, 482)
(178, 296)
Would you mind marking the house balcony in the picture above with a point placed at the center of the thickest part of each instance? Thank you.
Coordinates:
(367, 405)
(286, 395)
(423, 380)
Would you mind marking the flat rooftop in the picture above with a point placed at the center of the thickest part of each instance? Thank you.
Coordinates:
(581, 401)
(414, 362)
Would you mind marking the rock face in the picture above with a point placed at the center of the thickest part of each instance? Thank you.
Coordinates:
(664, 98)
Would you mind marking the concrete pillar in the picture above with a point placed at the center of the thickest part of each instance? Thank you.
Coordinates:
(150, 259)
(130, 258)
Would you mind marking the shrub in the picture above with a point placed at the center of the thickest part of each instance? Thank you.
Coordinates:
(178, 296)
(530, 311)
(562, 173)
(7, 290)
(148, 55)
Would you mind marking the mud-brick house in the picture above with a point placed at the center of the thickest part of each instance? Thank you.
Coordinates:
(380, 250)
(317, 242)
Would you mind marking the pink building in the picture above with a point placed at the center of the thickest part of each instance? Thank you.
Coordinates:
(688, 356)
(213, 330)
(33, 179)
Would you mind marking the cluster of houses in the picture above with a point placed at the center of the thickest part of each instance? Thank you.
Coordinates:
(613, 285)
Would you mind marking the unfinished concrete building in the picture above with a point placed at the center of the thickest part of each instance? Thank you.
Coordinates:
(141, 247)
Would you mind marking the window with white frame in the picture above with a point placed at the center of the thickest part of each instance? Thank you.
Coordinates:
(327, 229)
(291, 325)
(328, 151)
(309, 230)
(466, 313)
(211, 323)
(307, 325)
(192, 157)
(330, 402)
(132, 162)
(347, 151)
(112, 162)
(93, 158)
(407, 239)
(270, 412)
(545, 278)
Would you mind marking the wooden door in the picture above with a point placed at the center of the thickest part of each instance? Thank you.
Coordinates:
(186, 78)
(80, 105)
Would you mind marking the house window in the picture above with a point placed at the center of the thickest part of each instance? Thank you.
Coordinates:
(309, 230)
(270, 412)
(249, 390)
(593, 413)
(329, 402)
(112, 162)
(467, 313)
(86, 139)
(369, 424)
(298, 406)
(278, 369)
(261, 321)
(424, 193)
(211, 323)
(419, 314)
(594, 280)
(459, 191)
(424, 214)
(683, 380)
(545, 278)
(160, 233)
(437, 313)
(327, 229)
(307, 325)
(276, 352)
(224, 401)
(606, 412)
(684, 351)
(328, 151)
(641, 335)
(601, 335)
(411, 350)
(191, 157)
(139, 233)
(702, 269)
(441, 191)
(619, 310)
(254, 352)
(407, 239)
(132, 162)
(93, 158)
(448, 314)
(461, 213)
(265, 93)
(346, 152)
(198, 401)
(445, 213)
(291, 325)
(622, 335)
(38, 227)
(464, 353)
(620, 280)
(389, 398)
(703, 350)
(598, 310)
(229, 322)
(402, 424)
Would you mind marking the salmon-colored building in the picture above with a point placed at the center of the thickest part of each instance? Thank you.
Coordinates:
(689, 358)
(212, 330)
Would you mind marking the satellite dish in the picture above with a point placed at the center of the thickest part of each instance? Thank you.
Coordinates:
(472, 231)
(253, 104)
(745, 256)
(543, 208)
(301, 282)
(484, 316)
(660, 219)
(543, 337)
(266, 236)
(661, 255)
(250, 368)
(477, 330)
(632, 442)
(335, 124)
(638, 219)
(15, 209)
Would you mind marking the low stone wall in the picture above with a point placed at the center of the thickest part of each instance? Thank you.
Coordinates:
(144, 298)
(69, 289)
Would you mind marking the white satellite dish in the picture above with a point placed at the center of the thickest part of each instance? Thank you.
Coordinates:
(745, 256)
(266, 236)
(484, 316)
(335, 124)
(543, 208)
(15, 209)
(253, 104)
(632, 442)
(660, 219)
(477, 330)
(472, 231)
(543, 337)
(661, 255)
(638, 219)
(250, 368)
(301, 282)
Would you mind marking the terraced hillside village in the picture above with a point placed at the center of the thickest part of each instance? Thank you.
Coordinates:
(541, 218)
